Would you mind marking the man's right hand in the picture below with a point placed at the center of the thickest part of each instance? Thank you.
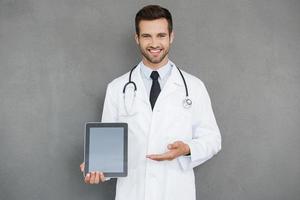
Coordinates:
(92, 177)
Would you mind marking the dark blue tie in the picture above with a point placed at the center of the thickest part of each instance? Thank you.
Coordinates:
(155, 88)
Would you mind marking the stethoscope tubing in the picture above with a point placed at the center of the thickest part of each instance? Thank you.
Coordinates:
(187, 102)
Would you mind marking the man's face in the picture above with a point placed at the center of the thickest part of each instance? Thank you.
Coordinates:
(154, 41)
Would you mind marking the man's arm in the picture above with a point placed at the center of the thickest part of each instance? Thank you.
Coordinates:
(109, 114)
(206, 141)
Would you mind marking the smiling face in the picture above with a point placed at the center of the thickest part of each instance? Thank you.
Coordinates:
(154, 42)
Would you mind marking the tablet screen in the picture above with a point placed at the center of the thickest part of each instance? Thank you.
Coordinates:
(106, 148)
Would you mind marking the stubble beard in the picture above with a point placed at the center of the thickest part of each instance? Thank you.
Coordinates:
(151, 59)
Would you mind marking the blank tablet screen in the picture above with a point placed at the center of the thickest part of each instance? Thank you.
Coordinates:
(106, 150)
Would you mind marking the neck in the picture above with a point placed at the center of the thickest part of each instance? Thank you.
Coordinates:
(155, 66)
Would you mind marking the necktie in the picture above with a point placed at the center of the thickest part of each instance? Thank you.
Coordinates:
(155, 88)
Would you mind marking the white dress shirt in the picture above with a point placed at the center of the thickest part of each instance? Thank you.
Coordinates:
(164, 73)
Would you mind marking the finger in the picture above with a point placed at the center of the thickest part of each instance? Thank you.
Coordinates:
(160, 157)
(102, 177)
(92, 180)
(97, 177)
(87, 178)
(82, 167)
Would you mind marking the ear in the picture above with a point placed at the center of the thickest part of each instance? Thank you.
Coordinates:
(172, 37)
(136, 37)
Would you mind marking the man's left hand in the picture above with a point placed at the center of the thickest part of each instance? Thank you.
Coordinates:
(176, 149)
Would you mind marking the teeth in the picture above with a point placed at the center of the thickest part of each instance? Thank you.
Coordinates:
(155, 51)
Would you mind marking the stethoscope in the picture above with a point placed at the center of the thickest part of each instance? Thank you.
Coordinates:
(186, 103)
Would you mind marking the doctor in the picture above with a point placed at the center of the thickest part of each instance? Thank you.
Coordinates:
(172, 128)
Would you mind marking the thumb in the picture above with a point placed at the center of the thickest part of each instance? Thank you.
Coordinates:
(173, 145)
(82, 167)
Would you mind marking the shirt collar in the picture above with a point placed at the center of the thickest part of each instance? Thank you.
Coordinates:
(162, 71)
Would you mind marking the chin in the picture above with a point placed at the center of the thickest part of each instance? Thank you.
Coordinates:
(156, 61)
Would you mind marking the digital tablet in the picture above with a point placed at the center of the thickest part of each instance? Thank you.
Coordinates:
(106, 149)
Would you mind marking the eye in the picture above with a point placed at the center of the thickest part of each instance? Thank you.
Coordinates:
(162, 35)
(145, 36)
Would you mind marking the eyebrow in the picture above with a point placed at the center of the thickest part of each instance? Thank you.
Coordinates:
(162, 34)
(159, 34)
(145, 34)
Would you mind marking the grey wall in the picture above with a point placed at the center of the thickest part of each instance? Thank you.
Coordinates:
(56, 58)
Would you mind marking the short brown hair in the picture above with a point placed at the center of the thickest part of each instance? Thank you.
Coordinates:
(152, 12)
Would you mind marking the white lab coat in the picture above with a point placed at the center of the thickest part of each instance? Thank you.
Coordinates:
(149, 132)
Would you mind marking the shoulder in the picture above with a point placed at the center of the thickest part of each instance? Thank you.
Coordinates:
(192, 80)
(115, 87)
(119, 81)
(196, 87)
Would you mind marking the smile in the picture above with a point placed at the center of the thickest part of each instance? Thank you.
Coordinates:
(155, 51)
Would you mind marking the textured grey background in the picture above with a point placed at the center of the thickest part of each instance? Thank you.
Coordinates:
(56, 57)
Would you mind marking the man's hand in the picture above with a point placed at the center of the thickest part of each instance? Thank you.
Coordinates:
(176, 149)
(92, 177)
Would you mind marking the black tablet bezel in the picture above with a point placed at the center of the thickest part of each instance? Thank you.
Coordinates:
(89, 125)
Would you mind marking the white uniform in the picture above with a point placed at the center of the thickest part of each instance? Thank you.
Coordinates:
(149, 132)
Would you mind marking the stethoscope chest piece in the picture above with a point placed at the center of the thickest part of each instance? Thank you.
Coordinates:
(187, 103)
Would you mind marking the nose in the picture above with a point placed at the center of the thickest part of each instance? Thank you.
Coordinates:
(154, 43)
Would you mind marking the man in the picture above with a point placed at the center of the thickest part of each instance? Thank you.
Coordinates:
(168, 136)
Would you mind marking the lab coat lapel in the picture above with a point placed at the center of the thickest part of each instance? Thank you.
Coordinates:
(173, 83)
